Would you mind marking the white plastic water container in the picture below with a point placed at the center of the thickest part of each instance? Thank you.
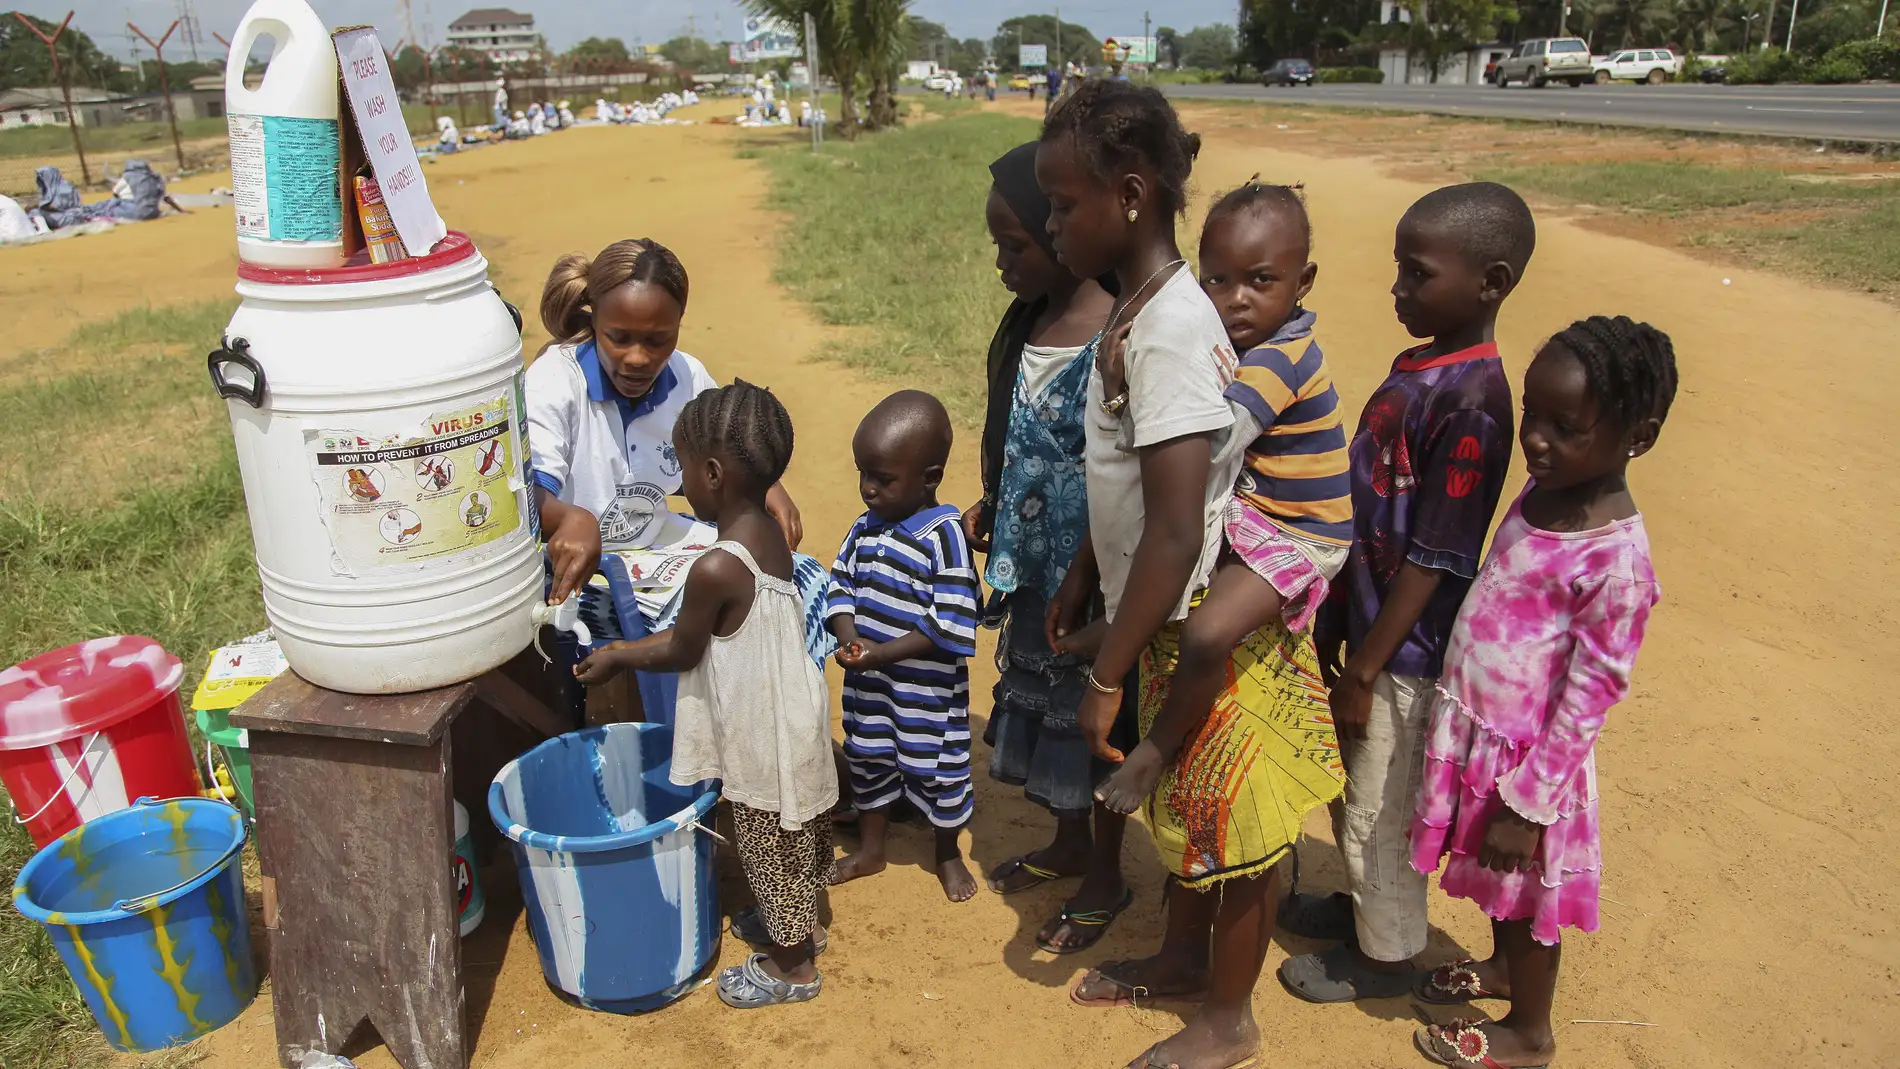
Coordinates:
(284, 148)
(381, 433)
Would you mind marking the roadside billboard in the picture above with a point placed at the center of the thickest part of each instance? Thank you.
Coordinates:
(1139, 49)
(1032, 56)
(769, 39)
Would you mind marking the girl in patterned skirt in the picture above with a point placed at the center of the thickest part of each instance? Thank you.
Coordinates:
(1542, 649)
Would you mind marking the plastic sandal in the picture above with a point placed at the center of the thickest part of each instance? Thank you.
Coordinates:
(1095, 921)
(1335, 975)
(749, 924)
(1452, 985)
(1460, 1044)
(747, 987)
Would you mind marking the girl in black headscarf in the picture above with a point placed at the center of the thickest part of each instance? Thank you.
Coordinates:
(1032, 522)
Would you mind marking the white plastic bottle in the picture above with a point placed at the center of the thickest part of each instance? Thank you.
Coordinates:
(284, 167)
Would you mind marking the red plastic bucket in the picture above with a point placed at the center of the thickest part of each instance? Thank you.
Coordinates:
(88, 729)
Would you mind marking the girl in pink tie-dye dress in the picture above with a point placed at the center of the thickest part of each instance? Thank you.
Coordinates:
(1542, 649)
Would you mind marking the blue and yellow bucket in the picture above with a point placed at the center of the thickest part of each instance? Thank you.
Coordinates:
(146, 908)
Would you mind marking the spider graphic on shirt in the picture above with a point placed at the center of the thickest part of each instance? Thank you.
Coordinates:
(1392, 457)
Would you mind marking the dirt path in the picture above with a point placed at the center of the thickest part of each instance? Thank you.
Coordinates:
(1749, 801)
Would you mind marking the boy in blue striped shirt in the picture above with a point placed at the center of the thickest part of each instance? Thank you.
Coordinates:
(904, 606)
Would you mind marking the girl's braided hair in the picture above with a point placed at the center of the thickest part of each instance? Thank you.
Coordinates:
(1257, 195)
(576, 283)
(1119, 126)
(744, 422)
(1630, 367)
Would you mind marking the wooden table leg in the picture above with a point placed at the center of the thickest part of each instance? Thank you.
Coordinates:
(355, 835)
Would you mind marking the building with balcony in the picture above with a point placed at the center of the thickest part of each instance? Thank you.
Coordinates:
(505, 36)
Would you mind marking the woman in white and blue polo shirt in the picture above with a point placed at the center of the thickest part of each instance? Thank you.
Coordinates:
(602, 402)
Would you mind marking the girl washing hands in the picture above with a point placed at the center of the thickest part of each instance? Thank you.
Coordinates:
(753, 711)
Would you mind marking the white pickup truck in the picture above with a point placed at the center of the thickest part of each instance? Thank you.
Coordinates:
(1650, 65)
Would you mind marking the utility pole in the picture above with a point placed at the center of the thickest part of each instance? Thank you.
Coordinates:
(65, 86)
(1768, 28)
(1058, 58)
(164, 84)
(811, 60)
(1793, 14)
(132, 46)
(1147, 42)
(1882, 28)
(188, 18)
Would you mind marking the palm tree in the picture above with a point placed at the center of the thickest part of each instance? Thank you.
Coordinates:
(881, 30)
(1638, 19)
(837, 47)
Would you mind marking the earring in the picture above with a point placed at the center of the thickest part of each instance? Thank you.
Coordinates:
(1632, 454)
(1133, 215)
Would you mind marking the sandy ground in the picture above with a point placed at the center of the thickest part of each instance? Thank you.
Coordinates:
(1749, 800)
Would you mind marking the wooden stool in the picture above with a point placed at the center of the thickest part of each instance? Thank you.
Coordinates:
(355, 828)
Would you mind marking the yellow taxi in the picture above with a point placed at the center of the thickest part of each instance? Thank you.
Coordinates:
(1019, 82)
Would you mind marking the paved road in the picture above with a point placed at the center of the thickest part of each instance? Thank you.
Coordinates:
(1832, 112)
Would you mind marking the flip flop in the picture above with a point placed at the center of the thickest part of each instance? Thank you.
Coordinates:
(1452, 985)
(1017, 864)
(1150, 1061)
(1459, 1045)
(1126, 994)
(1094, 921)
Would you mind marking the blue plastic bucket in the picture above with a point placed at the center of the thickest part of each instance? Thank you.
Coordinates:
(146, 907)
(618, 884)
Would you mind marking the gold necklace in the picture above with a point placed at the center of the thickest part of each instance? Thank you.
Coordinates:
(1113, 406)
(1122, 306)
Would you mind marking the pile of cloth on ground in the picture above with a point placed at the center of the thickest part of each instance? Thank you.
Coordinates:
(643, 113)
(137, 195)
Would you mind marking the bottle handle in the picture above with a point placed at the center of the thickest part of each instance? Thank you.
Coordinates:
(236, 351)
(235, 91)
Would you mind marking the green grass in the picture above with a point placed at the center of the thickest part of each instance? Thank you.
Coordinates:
(1843, 231)
(154, 137)
(173, 561)
(125, 137)
(887, 237)
(1680, 187)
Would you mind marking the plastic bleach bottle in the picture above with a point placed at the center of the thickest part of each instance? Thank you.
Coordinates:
(284, 140)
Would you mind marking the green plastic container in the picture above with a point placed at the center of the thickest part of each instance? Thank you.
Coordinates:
(216, 725)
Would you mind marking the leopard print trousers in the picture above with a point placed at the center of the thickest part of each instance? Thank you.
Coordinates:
(786, 869)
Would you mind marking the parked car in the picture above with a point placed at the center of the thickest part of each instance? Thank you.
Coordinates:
(1713, 74)
(1651, 65)
(1290, 72)
(1019, 82)
(940, 81)
(1545, 59)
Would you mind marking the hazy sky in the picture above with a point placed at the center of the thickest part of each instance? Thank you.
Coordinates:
(567, 21)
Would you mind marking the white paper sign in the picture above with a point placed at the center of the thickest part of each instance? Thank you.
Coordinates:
(386, 141)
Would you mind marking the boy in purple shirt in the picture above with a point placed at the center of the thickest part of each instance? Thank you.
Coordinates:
(1428, 463)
